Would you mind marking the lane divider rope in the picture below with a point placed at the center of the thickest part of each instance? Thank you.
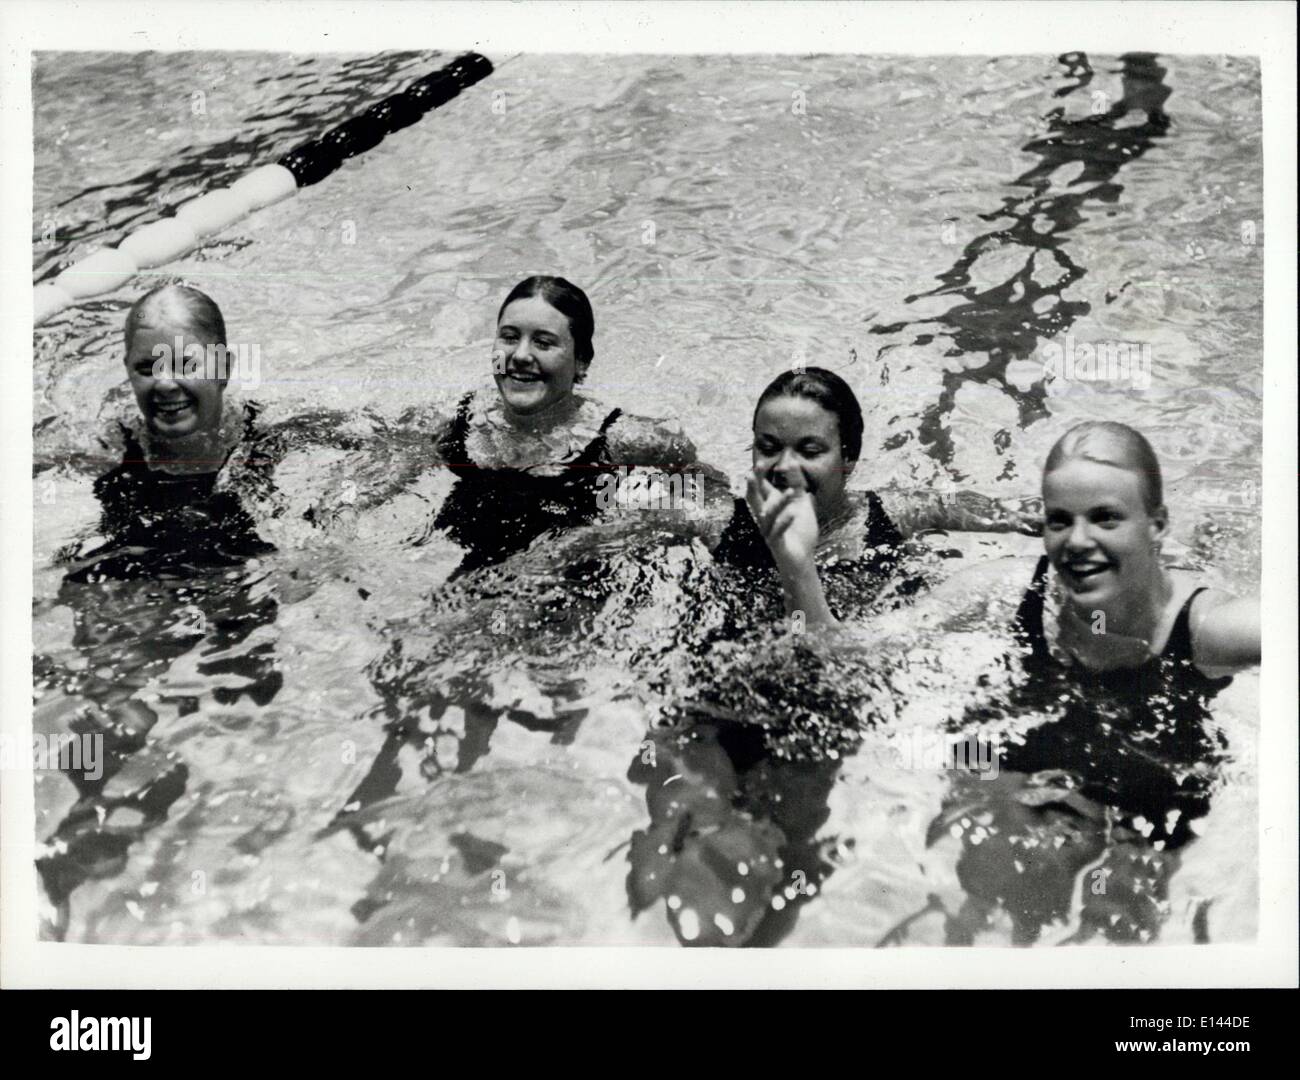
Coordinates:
(107, 269)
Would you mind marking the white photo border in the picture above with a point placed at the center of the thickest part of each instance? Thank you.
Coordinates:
(1262, 29)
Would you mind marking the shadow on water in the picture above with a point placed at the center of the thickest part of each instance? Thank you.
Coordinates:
(440, 683)
(1007, 321)
(170, 579)
(737, 772)
(738, 778)
(753, 726)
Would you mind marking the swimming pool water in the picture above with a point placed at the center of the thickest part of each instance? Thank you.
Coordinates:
(922, 224)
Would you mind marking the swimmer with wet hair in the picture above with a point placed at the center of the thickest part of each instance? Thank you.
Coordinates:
(539, 454)
(799, 511)
(1114, 605)
(303, 473)
(1103, 504)
(542, 354)
(162, 511)
(1117, 749)
(171, 332)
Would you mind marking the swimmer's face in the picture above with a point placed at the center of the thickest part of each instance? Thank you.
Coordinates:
(797, 444)
(1099, 536)
(172, 405)
(533, 360)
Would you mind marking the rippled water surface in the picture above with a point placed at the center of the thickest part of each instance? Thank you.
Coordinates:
(923, 225)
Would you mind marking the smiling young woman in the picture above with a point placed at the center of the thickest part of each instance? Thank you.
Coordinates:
(182, 412)
(800, 518)
(1110, 682)
(1119, 607)
(537, 455)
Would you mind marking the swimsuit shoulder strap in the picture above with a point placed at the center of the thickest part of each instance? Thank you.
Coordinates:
(251, 412)
(452, 442)
(1178, 649)
(133, 454)
(881, 531)
(741, 544)
(128, 473)
(608, 422)
(598, 448)
(1179, 645)
(1028, 623)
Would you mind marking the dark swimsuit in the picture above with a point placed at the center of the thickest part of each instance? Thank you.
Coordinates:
(495, 512)
(1174, 670)
(752, 753)
(817, 713)
(186, 536)
(848, 580)
(1134, 738)
(181, 519)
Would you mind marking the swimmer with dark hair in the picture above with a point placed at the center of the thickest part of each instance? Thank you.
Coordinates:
(751, 756)
(799, 513)
(539, 454)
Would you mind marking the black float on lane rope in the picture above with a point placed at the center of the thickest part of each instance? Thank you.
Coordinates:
(314, 160)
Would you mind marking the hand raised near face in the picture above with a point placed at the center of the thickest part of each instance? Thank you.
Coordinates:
(787, 520)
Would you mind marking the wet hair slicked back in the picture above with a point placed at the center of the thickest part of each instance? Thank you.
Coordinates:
(1109, 443)
(830, 392)
(569, 300)
(179, 306)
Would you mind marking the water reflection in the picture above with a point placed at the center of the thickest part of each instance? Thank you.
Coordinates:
(169, 578)
(457, 794)
(1090, 810)
(450, 677)
(731, 847)
(753, 727)
(1007, 321)
(738, 772)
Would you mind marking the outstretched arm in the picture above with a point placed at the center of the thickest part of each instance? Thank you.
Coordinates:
(962, 511)
(983, 595)
(1226, 636)
(639, 440)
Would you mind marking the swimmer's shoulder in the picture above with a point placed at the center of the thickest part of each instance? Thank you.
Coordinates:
(1225, 629)
(636, 439)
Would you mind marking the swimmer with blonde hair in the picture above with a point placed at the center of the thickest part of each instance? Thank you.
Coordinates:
(1114, 750)
(192, 437)
(161, 508)
(170, 332)
(1105, 523)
